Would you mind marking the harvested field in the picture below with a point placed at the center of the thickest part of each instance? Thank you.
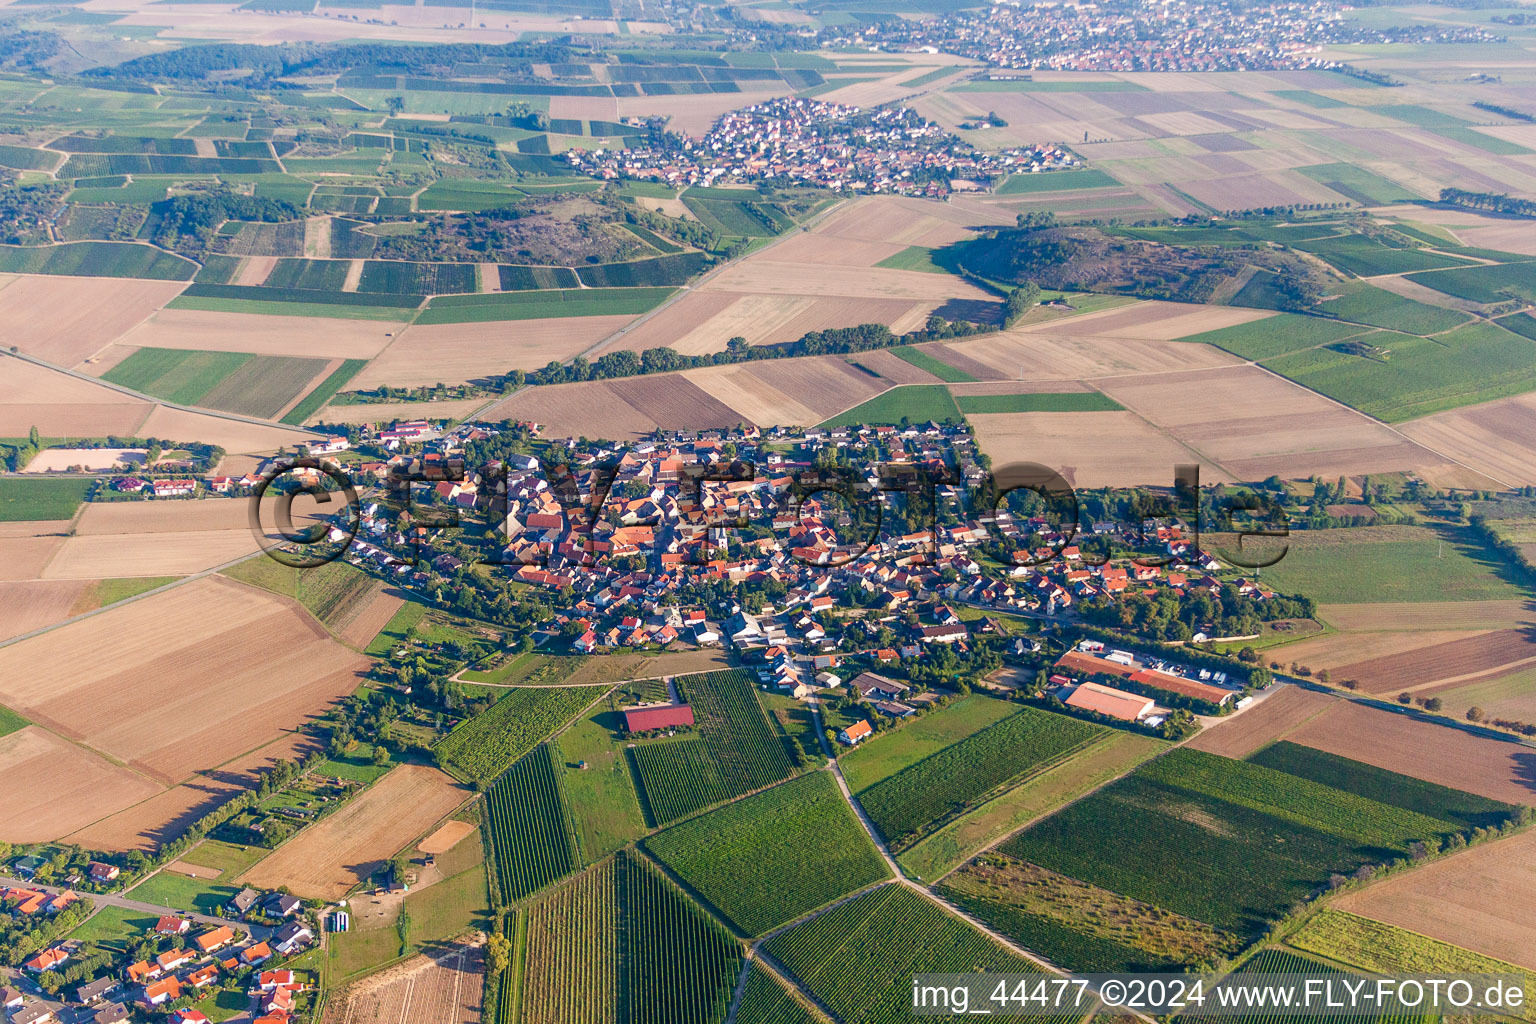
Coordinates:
(1507, 695)
(1333, 652)
(1420, 748)
(167, 815)
(67, 319)
(1496, 438)
(330, 857)
(446, 838)
(1429, 615)
(163, 553)
(1152, 321)
(1485, 654)
(1254, 424)
(388, 412)
(1482, 899)
(240, 667)
(443, 985)
(772, 277)
(892, 367)
(374, 616)
(233, 436)
(50, 787)
(126, 517)
(33, 604)
(453, 353)
(1273, 718)
(24, 558)
(63, 406)
(1089, 449)
(53, 460)
(692, 115)
(788, 391)
(1046, 352)
(705, 320)
(901, 221)
(309, 337)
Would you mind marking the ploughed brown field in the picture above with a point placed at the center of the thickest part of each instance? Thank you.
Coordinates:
(50, 787)
(194, 677)
(453, 353)
(33, 604)
(1500, 770)
(1483, 899)
(1429, 668)
(443, 985)
(59, 405)
(327, 859)
(1496, 438)
(1273, 718)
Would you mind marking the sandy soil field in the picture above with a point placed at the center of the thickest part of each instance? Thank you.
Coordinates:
(66, 319)
(444, 986)
(452, 353)
(693, 115)
(167, 815)
(307, 337)
(50, 787)
(1089, 449)
(1495, 438)
(1436, 753)
(62, 406)
(445, 838)
(1475, 229)
(1255, 424)
(1152, 321)
(330, 857)
(160, 553)
(24, 558)
(387, 412)
(1483, 899)
(893, 220)
(52, 460)
(233, 436)
(26, 605)
(240, 667)
(1272, 719)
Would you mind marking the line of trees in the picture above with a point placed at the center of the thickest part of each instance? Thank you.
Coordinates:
(1492, 202)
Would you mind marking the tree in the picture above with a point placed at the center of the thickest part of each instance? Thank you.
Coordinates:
(395, 104)
(1433, 704)
(498, 954)
(380, 754)
(1474, 714)
(1405, 698)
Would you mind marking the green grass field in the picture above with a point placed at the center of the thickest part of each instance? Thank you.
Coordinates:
(1277, 335)
(40, 500)
(923, 361)
(1384, 564)
(117, 927)
(182, 893)
(916, 403)
(1353, 182)
(605, 811)
(1056, 181)
(11, 722)
(541, 305)
(913, 257)
(228, 858)
(1039, 401)
(177, 375)
(1475, 363)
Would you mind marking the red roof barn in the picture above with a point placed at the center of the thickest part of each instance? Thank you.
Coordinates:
(665, 717)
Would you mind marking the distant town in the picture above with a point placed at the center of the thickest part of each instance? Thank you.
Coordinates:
(829, 145)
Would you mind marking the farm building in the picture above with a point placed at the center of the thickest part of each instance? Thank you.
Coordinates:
(855, 732)
(1128, 707)
(666, 716)
(1126, 666)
